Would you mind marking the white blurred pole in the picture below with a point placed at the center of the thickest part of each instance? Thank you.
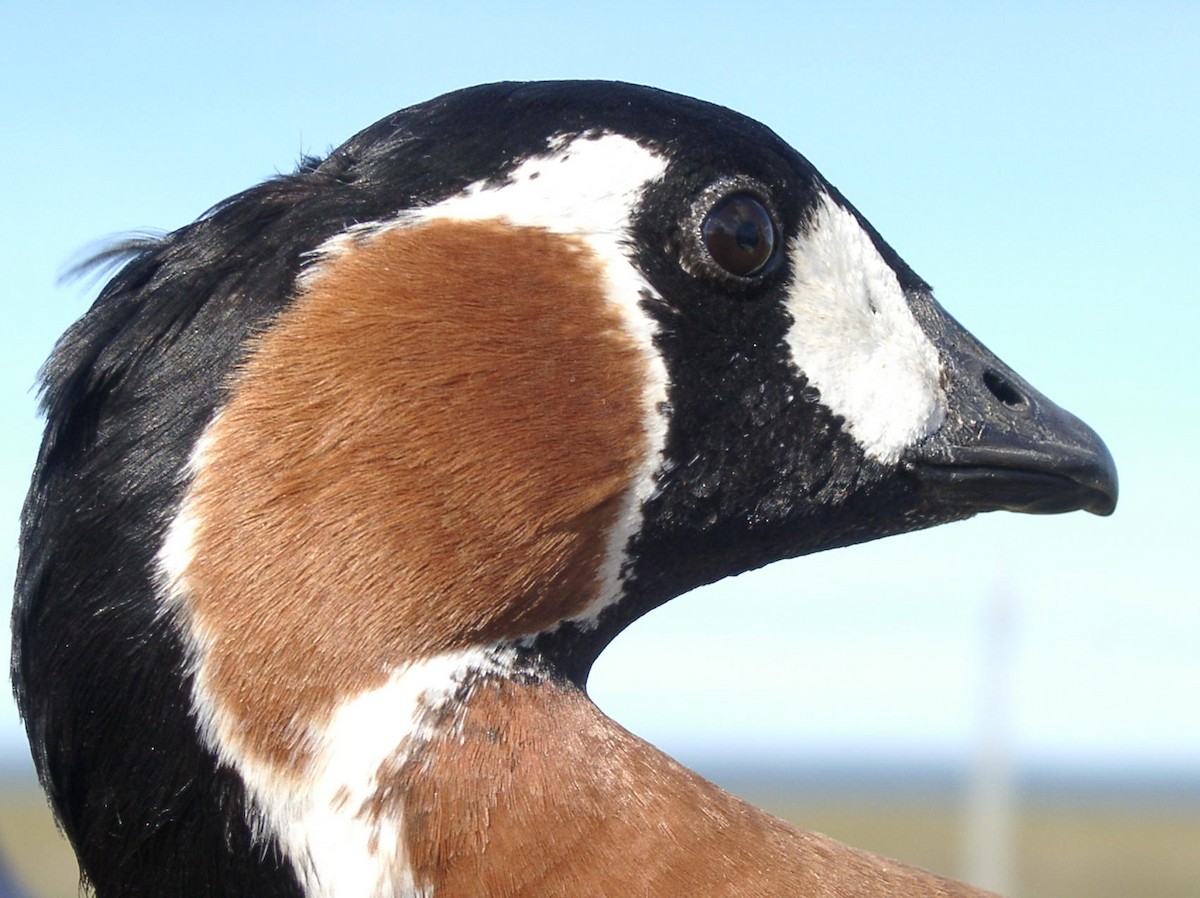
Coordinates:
(989, 834)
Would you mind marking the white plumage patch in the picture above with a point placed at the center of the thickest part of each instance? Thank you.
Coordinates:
(324, 820)
(855, 338)
(586, 186)
(319, 817)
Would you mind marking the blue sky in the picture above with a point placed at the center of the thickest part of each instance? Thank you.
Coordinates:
(1036, 162)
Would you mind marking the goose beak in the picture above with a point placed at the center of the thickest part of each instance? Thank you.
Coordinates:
(1003, 445)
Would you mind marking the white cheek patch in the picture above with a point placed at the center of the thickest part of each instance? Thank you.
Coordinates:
(856, 340)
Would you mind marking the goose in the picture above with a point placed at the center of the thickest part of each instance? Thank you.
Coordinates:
(345, 485)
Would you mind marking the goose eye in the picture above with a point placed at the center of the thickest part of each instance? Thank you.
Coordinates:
(739, 234)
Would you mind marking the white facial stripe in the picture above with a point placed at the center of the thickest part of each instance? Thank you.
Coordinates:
(855, 338)
(587, 185)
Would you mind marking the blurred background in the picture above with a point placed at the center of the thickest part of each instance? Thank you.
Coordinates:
(1013, 700)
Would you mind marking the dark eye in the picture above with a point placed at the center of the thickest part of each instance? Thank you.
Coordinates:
(739, 234)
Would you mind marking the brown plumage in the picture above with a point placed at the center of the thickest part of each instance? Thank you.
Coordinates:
(404, 441)
(532, 778)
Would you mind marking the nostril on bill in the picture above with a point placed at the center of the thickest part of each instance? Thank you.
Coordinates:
(1000, 387)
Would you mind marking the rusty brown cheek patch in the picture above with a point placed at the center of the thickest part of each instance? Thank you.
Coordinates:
(424, 453)
(539, 795)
